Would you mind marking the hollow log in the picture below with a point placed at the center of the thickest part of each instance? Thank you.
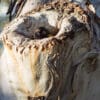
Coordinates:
(48, 55)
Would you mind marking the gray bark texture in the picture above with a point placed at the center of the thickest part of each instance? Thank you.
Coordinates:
(51, 52)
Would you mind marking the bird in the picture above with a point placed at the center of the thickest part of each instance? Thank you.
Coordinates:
(15, 7)
(10, 9)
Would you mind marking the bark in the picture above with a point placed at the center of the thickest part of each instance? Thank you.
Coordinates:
(51, 54)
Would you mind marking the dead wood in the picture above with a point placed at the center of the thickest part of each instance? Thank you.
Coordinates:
(51, 55)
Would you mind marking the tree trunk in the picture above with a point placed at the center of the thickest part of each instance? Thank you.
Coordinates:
(51, 53)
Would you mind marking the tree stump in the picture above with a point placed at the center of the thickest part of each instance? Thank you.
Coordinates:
(45, 53)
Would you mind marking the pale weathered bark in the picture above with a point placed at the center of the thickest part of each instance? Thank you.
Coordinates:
(64, 65)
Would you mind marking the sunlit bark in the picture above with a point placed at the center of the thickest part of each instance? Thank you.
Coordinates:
(61, 65)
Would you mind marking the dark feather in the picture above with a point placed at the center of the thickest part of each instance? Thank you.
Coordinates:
(15, 8)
